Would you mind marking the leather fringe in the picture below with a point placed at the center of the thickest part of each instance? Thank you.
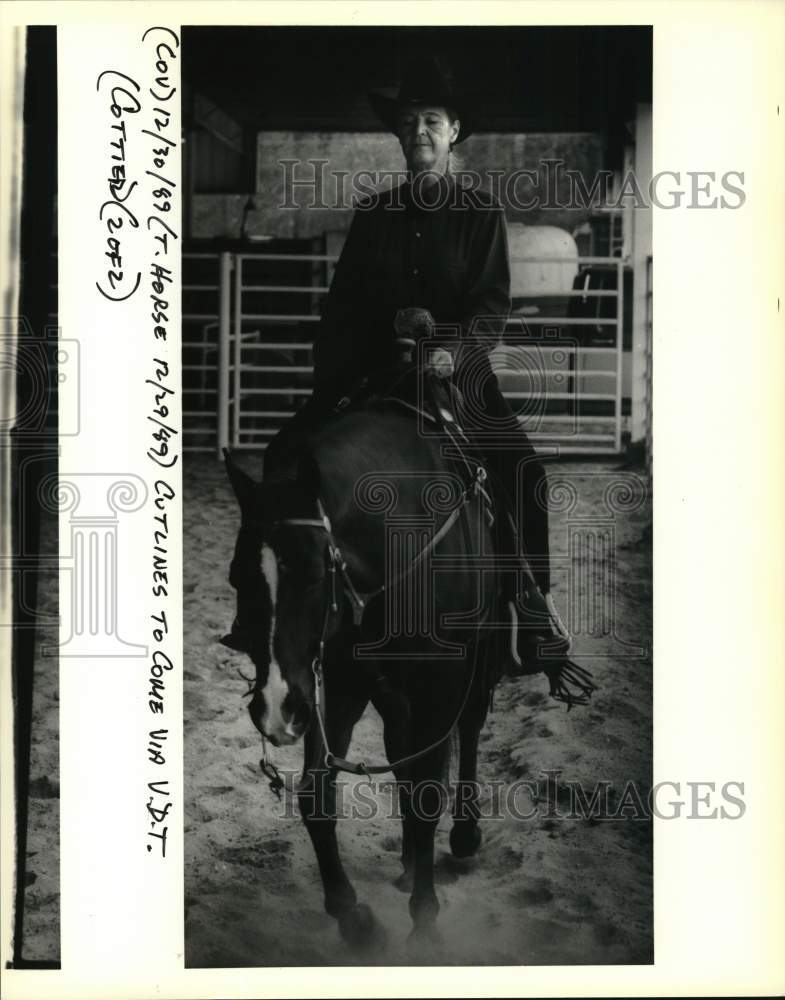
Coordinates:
(570, 683)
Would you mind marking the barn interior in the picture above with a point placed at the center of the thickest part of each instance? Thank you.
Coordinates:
(277, 118)
(254, 277)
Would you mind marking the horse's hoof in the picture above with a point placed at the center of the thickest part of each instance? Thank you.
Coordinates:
(425, 937)
(465, 839)
(405, 882)
(359, 927)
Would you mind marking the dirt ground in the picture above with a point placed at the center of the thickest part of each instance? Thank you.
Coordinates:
(42, 877)
(542, 890)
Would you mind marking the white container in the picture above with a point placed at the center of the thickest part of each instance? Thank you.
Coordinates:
(532, 275)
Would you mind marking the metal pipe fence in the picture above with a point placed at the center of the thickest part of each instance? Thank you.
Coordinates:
(248, 364)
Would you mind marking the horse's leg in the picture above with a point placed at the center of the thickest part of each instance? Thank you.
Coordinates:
(405, 881)
(396, 745)
(427, 775)
(424, 805)
(421, 818)
(396, 716)
(317, 801)
(465, 835)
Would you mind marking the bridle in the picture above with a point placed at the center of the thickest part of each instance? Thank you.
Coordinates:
(336, 564)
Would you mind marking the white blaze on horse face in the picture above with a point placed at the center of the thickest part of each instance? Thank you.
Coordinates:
(276, 688)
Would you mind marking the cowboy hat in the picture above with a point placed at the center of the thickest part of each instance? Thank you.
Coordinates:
(425, 81)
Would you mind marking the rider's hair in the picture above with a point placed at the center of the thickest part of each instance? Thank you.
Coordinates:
(454, 160)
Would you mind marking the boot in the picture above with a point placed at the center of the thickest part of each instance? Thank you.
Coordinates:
(540, 643)
(537, 633)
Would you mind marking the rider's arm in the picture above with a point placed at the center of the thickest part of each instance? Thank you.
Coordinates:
(338, 340)
(487, 299)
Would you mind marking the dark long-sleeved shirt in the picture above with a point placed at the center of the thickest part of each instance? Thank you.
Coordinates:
(451, 260)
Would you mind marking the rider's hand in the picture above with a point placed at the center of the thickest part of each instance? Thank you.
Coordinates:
(440, 362)
(413, 322)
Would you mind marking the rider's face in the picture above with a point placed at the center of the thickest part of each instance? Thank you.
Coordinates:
(426, 134)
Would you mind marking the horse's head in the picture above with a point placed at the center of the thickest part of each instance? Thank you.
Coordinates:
(279, 571)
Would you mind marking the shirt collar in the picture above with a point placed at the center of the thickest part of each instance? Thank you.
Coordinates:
(436, 195)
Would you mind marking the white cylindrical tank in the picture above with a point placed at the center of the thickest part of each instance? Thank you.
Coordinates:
(530, 275)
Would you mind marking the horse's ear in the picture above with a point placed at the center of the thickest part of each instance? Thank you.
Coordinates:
(234, 641)
(242, 484)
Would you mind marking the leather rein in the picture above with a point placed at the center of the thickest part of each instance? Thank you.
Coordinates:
(359, 602)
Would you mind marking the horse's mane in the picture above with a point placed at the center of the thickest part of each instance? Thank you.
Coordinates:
(340, 442)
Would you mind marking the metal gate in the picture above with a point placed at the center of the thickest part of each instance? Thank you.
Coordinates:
(561, 362)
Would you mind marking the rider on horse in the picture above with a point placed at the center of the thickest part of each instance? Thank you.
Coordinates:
(435, 244)
(433, 252)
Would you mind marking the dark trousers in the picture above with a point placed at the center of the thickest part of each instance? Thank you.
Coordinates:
(497, 440)
(511, 460)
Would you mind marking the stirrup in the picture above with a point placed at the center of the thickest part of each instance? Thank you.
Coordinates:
(568, 682)
(538, 620)
(532, 648)
(556, 621)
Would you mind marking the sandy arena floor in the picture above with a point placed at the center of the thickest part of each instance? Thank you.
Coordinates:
(541, 890)
(42, 878)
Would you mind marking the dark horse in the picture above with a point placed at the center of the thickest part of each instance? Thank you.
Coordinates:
(362, 576)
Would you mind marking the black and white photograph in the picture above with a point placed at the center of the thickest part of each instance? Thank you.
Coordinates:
(33, 356)
(416, 290)
(391, 552)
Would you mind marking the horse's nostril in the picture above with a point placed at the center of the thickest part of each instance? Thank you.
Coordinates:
(302, 717)
(297, 711)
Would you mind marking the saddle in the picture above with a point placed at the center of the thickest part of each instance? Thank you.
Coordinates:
(440, 405)
(439, 402)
